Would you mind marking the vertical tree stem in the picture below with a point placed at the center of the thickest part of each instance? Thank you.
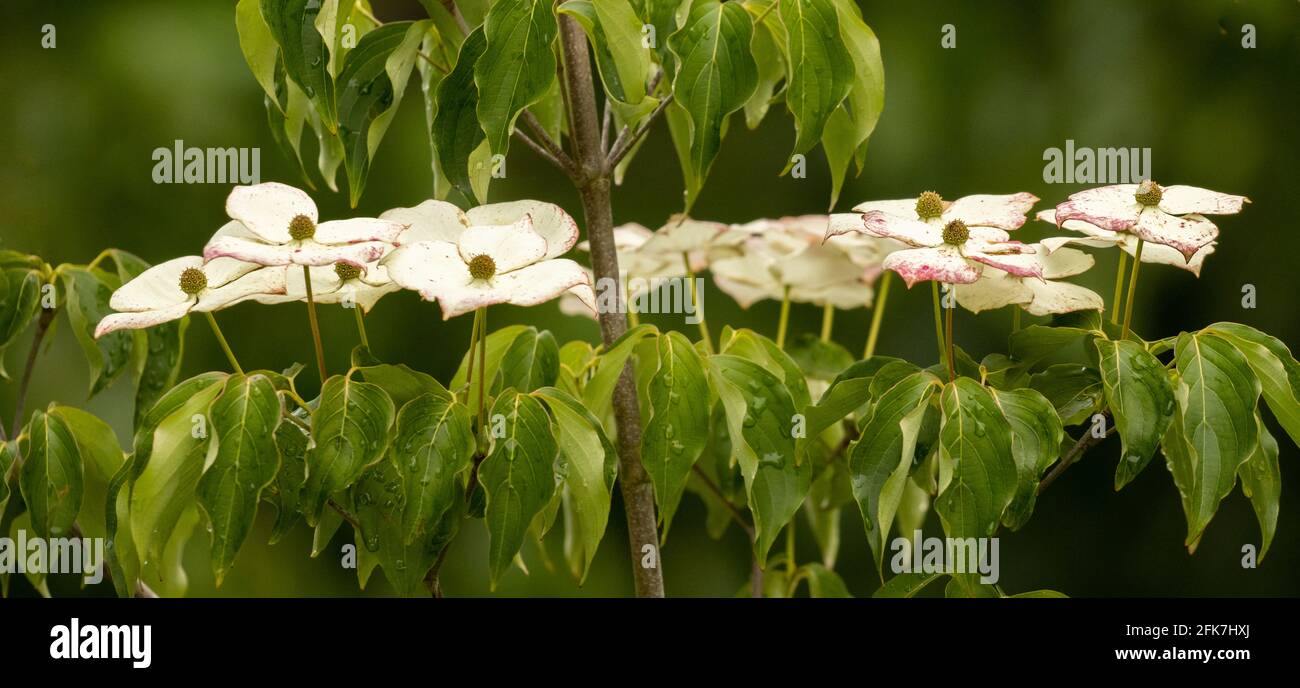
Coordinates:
(828, 321)
(877, 314)
(361, 327)
(225, 346)
(482, 365)
(1132, 289)
(315, 327)
(1119, 288)
(697, 305)
(593, 184)
(784, 323)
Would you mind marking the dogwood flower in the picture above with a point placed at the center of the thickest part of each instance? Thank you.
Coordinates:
(787, 253)
(951, 241)
(1172, 216)
(997, 288)
(502, 253)
(1096, 237)
(338, 283)
(276, 224)
(684, 236)
(637, 266)
(170, 290)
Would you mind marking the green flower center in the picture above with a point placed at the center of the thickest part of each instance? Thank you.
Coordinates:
(929, 205)
(347, 271)
(193, 281)
(955, 233)
(1149, 193)
(301, 227)
(482, 267)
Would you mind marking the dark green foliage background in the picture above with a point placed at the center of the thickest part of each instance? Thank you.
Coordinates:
(79, 124)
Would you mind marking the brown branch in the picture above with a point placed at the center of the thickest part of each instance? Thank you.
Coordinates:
(1084, 443)
(562, 159)
(542, 152)
(347, 515)
(594, 186)
(625, 142)
(42, 326)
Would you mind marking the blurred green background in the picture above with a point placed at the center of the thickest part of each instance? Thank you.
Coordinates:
(79, 123)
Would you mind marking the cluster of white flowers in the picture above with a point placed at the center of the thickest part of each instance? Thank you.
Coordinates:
(274, 246)
(510, 252)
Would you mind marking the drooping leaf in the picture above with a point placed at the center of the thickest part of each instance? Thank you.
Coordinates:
(350, 433)
(244, 420)
(303, 52)
(881, 458)
(170, 448)
(371, 84)
(678, 429)
(977, 471)
(1035, 343)
(1075, 391)
(589, 467)
(257, 44)
(820, 67)
(760, 417)
(1275, 368)
(851, 124)
(517, 476)
(717, 74)
(599, 391)
(51, 476)
(517, 66)
(823, 582)
(770, 61)
(292, 442)
(456, 130)
(497, 344)
(907, 584)
(87, 292)
(531, 362)
(1216, 393)
(1036, 435)
(1140, 399)
(380, 511)
(1261, 481)
(398, 380)
(433, 449)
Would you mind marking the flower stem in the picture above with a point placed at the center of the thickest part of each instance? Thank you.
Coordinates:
(1119, 288)
(473, 349)
(695, 304)
(1132, 289)
(225, 346)
(789, 547)
(1015, 318)
(361, 327)
(938, 323)
(315, 327)
(828, 321)
(877, 314)
(952, 371)
(784, 322)
(482, 364)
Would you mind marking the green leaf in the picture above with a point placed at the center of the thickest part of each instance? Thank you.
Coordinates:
(372, 82)
(907, 584)
(849, 392)
(170, 448)
(851, 124)
(258, 45)
(434, 448)
(1140, 399)
(589, 467)
(977, 471)
(8, 454)
(881, 458)
(599, 392)
(350, 433)
(678, 429)
(51, 477)
(456, 130)
(531, 362)
(517, 476)
(760, 415)
(770, 61)
(819, 360)
(1217, 393)
(623, 63)
(1041, 594)
(161, 347)
(244, 420)
(747, 343)
(820, 67)
(497, 344)
(1275, 368)
(400, 382)
(717, 74)
(101, 458)
(1031, 345)
(292, 443)
(1075, 391)
(517, 67)
(87, 295)
(823, 582)
(330, 22)
(1036, 435)
(303, 52)
(1261, 481)
(20, 297)
(380, 513)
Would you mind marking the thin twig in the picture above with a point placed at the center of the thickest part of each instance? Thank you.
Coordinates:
(539, 150)
(42, 326)
(1084, 443)
(624, 143)
(738, 517)
(605, 126)
(535, 126)
(347, 515)
(450, 6)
